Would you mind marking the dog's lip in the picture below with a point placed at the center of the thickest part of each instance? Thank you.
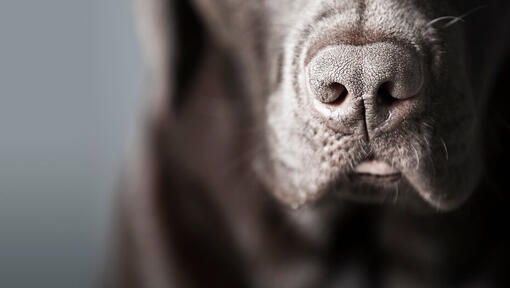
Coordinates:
(375, 171)
(376, 168)
(364, 177)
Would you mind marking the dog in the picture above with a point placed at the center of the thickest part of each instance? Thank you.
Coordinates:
(328, 143)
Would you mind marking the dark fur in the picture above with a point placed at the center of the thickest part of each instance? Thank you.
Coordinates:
(196, 215)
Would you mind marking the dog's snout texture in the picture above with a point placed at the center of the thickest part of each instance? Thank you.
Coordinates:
(375, 82)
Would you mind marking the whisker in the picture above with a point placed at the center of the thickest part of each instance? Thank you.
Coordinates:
(417, 158)
(395, 199)
(444, 147)
(454, 19)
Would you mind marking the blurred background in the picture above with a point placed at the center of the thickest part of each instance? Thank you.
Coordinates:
(70, 76)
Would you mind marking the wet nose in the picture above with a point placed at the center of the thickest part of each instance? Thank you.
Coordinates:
(374, 83)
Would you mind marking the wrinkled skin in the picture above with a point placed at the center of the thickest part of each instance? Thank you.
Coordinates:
(289, 99)
(434, 147)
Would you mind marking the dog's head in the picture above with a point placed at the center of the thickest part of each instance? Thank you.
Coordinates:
(370, 99)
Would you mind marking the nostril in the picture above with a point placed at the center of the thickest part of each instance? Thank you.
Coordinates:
(384, 95)
(334, 93)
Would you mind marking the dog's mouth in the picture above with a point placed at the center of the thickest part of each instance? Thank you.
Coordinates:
(376, 172)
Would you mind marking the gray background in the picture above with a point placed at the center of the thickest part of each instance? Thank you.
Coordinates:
(70, 76)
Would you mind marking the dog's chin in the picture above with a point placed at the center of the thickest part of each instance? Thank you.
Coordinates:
(376, 182)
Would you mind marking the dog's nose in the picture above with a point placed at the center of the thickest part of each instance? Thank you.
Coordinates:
(374, 82)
